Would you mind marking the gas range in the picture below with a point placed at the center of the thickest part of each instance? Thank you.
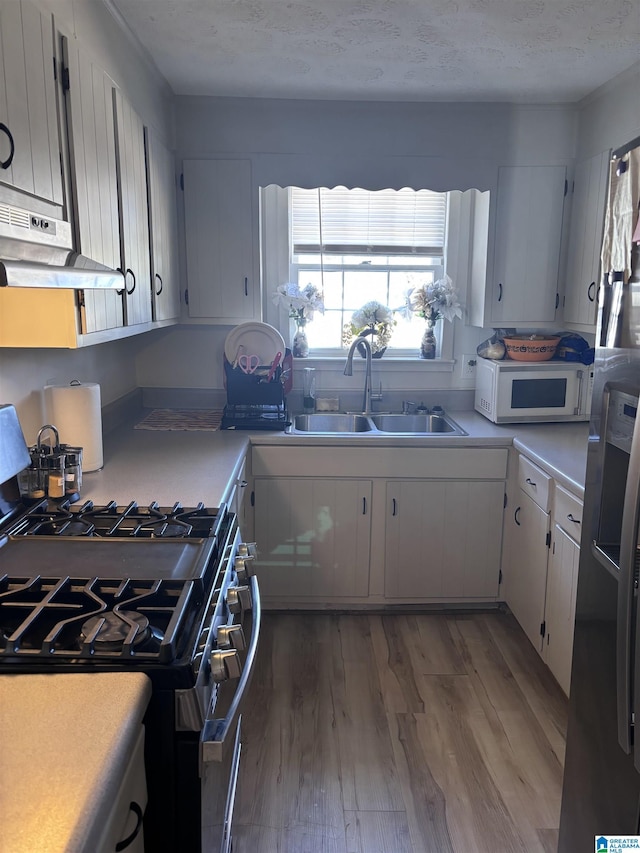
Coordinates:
(167, 591)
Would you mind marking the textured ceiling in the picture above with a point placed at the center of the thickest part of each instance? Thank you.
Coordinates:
(411, 50)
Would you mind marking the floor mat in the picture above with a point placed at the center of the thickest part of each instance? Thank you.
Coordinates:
(181, 419)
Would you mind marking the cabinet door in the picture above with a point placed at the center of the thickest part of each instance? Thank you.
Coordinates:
(92, 141)
(134, 215)
(219, 211)
(561, 606)
(585, 241)
(28, 101)
(525, 565)
(528, 233)
(443, 539)
(164, 231)
(313, 537)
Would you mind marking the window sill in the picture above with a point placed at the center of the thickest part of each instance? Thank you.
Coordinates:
(388, 364)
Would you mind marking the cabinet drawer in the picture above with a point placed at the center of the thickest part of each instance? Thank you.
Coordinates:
(567, 513)
(534, 482)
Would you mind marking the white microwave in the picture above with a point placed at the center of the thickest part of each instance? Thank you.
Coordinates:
(534, 392)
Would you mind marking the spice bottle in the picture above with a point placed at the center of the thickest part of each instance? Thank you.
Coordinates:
(55, 475)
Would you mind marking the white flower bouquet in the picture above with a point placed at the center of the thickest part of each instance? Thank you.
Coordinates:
(374, 319)
(434, 300)
(301, 303)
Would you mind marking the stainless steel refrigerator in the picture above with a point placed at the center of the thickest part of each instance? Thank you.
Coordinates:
(601, 791)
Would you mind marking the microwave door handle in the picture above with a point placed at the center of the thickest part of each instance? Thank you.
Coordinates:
(216, 732)
(626, 586)
(578, 408)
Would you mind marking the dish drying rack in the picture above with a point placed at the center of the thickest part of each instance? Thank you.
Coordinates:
(252, 401)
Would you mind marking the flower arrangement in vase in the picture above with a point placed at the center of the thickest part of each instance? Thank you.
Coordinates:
(434, 301)
(301, 304)
(374, 319)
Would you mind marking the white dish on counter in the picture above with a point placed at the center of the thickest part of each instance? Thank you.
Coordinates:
(251, 338)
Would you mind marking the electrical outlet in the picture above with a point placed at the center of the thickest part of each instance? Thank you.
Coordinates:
(468, 367)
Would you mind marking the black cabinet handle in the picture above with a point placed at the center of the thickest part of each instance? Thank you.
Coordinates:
(4, 164)
(394, 504)
(591, 292)
(133, 276)
(364, 506)
(575, 520)
(531, 483)
(500, 291)
(126, 842)
(159, 277)
(246, 286)
(515, 516)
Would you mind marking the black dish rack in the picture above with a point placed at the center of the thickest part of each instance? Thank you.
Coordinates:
(254, 403)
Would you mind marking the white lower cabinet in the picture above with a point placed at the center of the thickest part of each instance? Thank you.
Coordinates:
(123, 828)
(562, 581)
(441, 539)
(525, 565)
(314, 536)
(327, 537)
(540, 563)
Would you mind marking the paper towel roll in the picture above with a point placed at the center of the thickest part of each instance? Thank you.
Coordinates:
(76, 413)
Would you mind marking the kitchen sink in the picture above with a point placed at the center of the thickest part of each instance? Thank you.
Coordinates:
(378, 424)
(334, 422)
(420, 423)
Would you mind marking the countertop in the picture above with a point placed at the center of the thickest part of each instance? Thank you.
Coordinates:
(167, 466)
(66, 740)
(191, 466)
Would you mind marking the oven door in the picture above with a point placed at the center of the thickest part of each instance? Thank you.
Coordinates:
(220, 743)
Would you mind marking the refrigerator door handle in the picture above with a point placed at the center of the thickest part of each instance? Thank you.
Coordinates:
(625, 656)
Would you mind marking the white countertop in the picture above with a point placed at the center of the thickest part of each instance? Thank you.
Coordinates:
(167, 466)
(66, 740)
(191, 466)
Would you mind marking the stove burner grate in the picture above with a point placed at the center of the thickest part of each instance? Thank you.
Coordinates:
(97, 619)
(111, 520)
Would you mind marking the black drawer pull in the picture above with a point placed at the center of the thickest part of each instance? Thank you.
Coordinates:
(575, 520)
(515, 516)
(4, 164)
(133, 276)
(126, 842)
(531, 483)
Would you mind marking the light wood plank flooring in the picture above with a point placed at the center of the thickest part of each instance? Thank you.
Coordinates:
(399, 734)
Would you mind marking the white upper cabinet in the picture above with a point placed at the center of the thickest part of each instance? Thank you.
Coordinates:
(523, 290)
(94, 186)
(29, 138)
(220, 214)
(585, 242)
(134, 214)
(165, 290)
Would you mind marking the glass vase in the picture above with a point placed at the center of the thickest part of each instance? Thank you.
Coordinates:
(300, 344)
(428, 342)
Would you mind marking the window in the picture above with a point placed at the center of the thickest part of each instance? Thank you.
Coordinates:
(357, 246)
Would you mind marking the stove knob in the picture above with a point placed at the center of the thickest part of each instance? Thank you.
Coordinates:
(231, 637)
(225, 665)
(247, 549)
(242, 568)
(239, 599)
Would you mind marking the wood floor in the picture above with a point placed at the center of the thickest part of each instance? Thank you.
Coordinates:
(399, 734)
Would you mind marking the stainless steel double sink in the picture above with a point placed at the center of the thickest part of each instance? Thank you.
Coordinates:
(335, 423)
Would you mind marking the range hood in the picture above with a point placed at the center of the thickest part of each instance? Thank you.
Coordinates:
(37, 251)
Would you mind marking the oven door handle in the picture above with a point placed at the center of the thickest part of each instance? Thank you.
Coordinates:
(216, 732)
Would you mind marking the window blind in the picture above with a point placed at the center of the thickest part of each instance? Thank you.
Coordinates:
(341, 220)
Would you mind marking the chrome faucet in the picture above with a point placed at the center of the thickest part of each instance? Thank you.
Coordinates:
(348, 371)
